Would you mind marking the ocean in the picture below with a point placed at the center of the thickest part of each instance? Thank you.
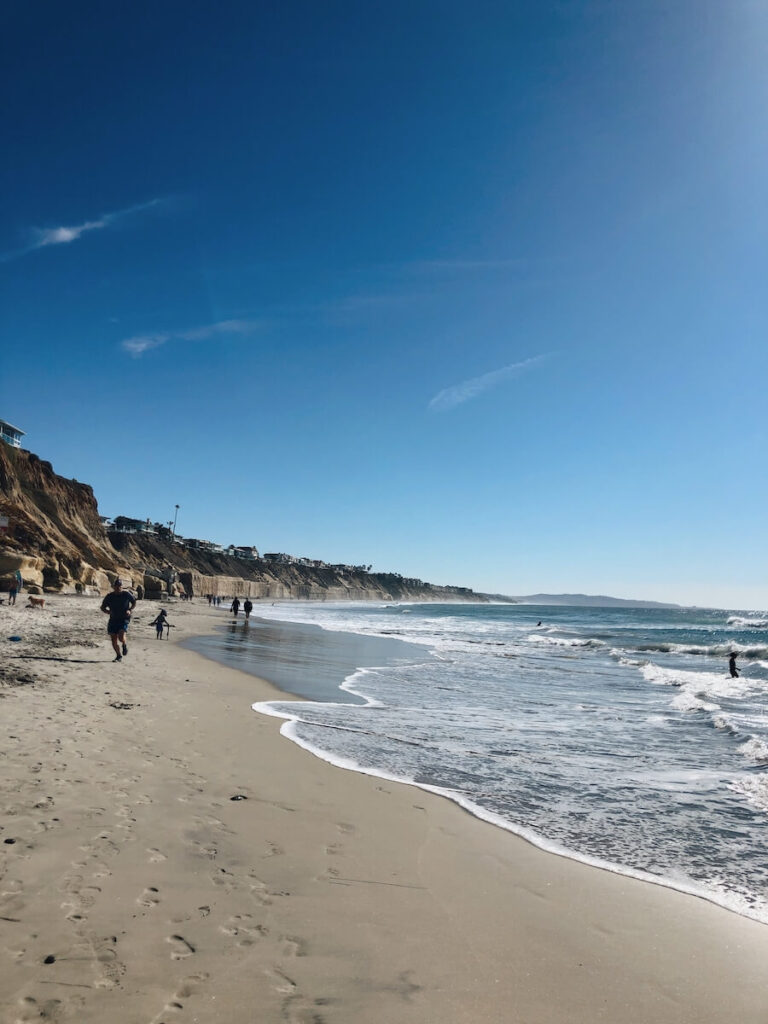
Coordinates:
(614, 736)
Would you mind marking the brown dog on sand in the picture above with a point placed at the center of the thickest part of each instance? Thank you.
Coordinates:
(36, 602)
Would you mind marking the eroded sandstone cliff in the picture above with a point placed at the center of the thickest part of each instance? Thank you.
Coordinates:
(57, 541)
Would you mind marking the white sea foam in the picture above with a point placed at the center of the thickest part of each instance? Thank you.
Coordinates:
(560, 641)
(724, 723)
(711, 683)
(722, 650)
(717, 893)
(755, 749)
(685, 700)
(741, 622)
(755, 789)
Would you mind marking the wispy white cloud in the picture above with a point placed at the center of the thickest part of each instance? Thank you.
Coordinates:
(141, 343)
(43, 237)
(449, 398)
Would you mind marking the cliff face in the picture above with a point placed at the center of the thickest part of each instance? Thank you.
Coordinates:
(54, 535)
(56, 540)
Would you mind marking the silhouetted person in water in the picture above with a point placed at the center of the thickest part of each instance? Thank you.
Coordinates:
(235, 606)
(247, 607)
(732, 666)
(539, 622)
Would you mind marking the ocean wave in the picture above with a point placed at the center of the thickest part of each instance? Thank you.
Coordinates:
(742, 622)
(755, 749)
(698, 690)
(711, 651)
(724, 723)
(685, 700)
(754, 789)
(560, 641)
(622, 659)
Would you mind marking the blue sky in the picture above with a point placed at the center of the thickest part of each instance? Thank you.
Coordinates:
(473, 292)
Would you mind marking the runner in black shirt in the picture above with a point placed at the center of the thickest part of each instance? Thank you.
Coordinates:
(118, 606)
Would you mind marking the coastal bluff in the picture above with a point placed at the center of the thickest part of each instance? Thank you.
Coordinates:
(57, 541)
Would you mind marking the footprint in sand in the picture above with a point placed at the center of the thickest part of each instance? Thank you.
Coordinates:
(205, 850)
(181, 948)
(243, 928)
(11, 897)
(31, 1009)
(104, 952)
(171, 1007)
(190, 985)
(155, 856)
(149, 898)
(294, 946)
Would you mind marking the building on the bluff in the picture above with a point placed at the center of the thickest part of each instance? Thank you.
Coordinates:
(10, 434)
(124, 524)
(246, 551)
(200, 545)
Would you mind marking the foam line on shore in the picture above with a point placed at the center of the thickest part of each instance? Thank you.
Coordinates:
(289, 730)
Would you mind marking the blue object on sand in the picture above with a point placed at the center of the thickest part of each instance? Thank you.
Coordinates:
(14, 638)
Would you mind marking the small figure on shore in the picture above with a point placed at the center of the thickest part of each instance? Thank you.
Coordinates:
(118, 605)
(235, 606)
(161, 623)
(247, 608)
(12, 594)
(732, 665)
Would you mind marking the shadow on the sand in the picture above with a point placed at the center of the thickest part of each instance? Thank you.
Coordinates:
(50, 657)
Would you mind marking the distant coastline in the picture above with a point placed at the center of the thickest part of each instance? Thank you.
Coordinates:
(591, 601)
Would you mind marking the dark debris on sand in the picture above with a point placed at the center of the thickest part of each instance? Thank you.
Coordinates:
(12, 676)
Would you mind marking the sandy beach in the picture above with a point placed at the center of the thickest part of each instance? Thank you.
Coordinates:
(168, 857)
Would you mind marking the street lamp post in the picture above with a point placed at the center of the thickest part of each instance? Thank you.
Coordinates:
(173, 532)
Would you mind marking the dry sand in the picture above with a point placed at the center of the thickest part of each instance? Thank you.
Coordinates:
(135, 890)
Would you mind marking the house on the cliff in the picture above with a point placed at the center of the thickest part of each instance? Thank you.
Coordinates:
(124, 524)
(200, 545)
(280, 557)
(10, 434)
(249, 553)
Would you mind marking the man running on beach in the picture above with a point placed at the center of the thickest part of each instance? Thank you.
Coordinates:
(118, 605)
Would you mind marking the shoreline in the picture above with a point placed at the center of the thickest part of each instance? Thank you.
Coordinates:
(320, 897)
(289, 731)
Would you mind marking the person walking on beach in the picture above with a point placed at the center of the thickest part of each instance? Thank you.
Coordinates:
(160, 623)
(118, 606)
(732, 665)
(247, 608)
(12, 594)
(235, 606)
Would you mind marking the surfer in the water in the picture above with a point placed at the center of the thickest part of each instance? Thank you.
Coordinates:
(732, 665)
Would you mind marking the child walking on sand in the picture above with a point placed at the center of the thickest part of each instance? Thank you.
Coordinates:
(161, 623)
